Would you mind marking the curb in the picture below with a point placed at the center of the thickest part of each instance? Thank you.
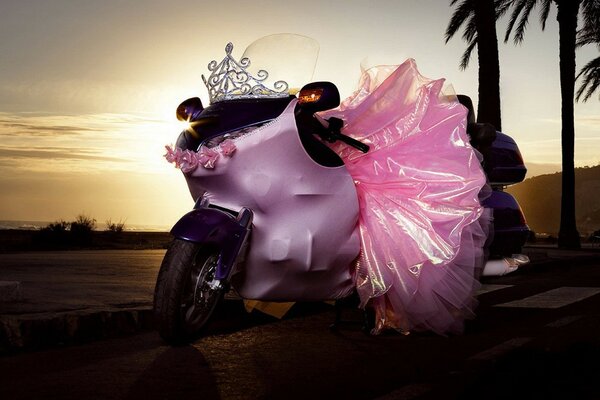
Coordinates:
(557, 261)
(37, 331)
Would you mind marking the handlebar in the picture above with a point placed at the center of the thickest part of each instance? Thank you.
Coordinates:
(332, 133)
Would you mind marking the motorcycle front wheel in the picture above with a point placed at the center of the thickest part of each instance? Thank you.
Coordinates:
(185, 296)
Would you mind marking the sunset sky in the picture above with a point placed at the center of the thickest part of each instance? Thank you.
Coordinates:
(88, 89)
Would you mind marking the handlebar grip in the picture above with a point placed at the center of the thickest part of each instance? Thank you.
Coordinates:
(333, 132)
(352, 142)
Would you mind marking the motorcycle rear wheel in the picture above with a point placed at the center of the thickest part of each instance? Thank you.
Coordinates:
(184, 300)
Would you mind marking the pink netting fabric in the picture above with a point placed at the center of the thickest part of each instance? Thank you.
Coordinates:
(422, 226)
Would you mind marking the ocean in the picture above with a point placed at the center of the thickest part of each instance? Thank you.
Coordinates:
(36, 225)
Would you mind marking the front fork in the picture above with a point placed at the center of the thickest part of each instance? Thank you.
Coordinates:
(219, 227)
(236, 252)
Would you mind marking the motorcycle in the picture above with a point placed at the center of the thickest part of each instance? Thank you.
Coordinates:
(504, 166)
(276, 210)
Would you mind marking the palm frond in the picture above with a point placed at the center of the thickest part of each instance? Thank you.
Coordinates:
(520, 32)
(587, 37)
(466, 57)
(514, 16)
(518, 7)
(591, 79)
(460, 16)
(470, 30)
(590, 10)
(464, 17)
(544, 12)
(501, 7)
(590, 31)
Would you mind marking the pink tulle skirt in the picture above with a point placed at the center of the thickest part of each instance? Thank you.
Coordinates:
(421, 222)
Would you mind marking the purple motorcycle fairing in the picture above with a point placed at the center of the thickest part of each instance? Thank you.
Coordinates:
(504, 163)
(215, 227)
(220, 118)
(510, 228)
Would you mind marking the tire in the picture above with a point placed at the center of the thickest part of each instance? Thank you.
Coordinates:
(183, 300)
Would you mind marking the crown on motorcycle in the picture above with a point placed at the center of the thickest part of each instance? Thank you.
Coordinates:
(230, 80)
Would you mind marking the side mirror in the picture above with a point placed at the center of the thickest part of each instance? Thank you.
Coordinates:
(318, 96)
(189, 108)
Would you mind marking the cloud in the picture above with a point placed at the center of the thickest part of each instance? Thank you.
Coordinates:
(41, 130)
(589, 121)
(50, 125)
(55, 154)
(579, 121)
(549, 121)
(86, 143)
(88, 96)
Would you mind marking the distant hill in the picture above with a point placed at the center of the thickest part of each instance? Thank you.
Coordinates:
(540, 200)
(534, 169)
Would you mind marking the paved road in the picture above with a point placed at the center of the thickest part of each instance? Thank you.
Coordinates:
(76, 280)
(537, 335)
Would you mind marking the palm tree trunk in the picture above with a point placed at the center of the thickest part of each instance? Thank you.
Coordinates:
(568, 237)
(488, 109)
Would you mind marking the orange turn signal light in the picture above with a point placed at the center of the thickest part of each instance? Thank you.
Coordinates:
(310, 95)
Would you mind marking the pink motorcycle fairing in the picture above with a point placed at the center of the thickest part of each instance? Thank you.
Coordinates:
(305, 235)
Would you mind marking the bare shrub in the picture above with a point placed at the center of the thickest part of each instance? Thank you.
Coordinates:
(55, 234)
(115, 227)
(81, 230)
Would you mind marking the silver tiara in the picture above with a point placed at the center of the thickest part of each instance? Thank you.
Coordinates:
(229, 80)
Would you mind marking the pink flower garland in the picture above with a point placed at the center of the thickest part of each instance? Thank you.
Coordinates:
(188, 160)
(228, 147)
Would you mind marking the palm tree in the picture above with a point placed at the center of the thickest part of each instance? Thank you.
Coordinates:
(479, 20)
(590, 34)
(567, 13)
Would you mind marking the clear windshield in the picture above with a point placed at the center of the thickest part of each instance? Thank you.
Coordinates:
(286, 57)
